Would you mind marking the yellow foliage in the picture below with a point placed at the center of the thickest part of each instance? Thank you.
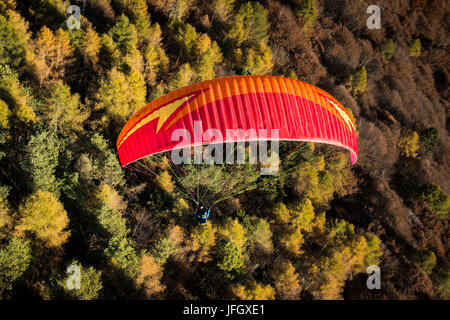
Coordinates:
(107, 195)
(409, 143)
(165, 181)
(150, 274)
(42, 216)
(4, 115)
(287, 285)
(234, 232)
(202, 239)
(253, 291)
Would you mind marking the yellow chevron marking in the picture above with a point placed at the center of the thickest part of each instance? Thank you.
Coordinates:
(162, 113)
(342, 113)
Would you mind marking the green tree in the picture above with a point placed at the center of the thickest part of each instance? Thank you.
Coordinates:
(387, 49)
(163, 249)
(429, 138)
(15, 258)
(40, 161)
(98, 164)
(425, 260)
(90, 283)
(231, 261)
(308, 11)
(436, 199)
(41, 216)
(119, 96)
(124, 34)
(357, 81)
(123, 255)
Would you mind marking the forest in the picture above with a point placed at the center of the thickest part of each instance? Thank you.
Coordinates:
(66, 91)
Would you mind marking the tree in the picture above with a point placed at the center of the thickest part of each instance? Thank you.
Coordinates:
(429, 138)
(16, 96)
(261, 235)
(233, 231)
(40, 161)
(123, 255)
(248, 39)
(415, 48)
(308, 11)
(202, 239)
(183, 77)
(90, 283)
(42, 217)
(5, 216)
(61, 110)
(90, 47)
(124, 34)
(119, 96)
(231, 261)
(173, 8)
(436, 199)
(222, 9)
(15, 258)
(254, 291)
(387, 49)
(15, 45)
(150, 275)
(425, 260)
(98, 164)
(54, 55)
(163, 249)
(287, 286)
(409, 143)
(357, 81)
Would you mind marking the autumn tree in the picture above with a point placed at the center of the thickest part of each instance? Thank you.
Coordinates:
(286, 281)
(16, 96)
(42, 217)
(409, 143)
(61, 110)
(415, 48)
(119, 96)
(150, 274)
(54, 55)
(15, 45)
(201, 240)
(253, 291)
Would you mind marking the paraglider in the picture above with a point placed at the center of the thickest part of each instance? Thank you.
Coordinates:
(231, 110)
